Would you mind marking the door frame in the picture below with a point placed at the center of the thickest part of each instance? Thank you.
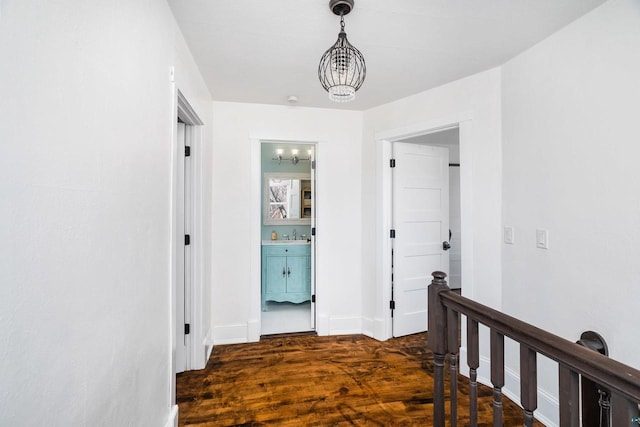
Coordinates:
(194, 135)
(254, 325)
(383, 324)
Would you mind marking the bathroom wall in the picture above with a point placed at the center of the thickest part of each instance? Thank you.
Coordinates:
(268, 151)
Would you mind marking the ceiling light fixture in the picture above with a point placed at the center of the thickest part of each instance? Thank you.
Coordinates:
(342, 69)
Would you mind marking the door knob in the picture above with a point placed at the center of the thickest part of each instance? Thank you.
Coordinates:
(446, 246)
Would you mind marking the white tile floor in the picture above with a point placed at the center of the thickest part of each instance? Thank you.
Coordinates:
(285, 317)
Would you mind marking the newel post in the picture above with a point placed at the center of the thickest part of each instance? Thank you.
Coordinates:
(437, 340)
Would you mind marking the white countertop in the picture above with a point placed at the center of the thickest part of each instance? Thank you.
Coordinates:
(285, 242)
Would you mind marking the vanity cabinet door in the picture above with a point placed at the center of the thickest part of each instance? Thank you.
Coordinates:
(297, 273)
(276, 274)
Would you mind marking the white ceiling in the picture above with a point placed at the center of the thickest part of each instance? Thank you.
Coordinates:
(262, 51)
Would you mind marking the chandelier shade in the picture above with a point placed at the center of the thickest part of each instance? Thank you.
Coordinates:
(342, 68)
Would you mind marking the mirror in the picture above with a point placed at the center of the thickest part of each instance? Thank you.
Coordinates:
(287, 198)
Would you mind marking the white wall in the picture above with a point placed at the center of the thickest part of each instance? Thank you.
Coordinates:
(570, 161)
(85, 125)
(236, 213)
(478, 97)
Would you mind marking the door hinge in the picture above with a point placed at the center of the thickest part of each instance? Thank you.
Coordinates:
(187, 151)
(313, 231)
(313, 298)
(187, 239)
(187, 328)
(313, 164)
(392, 233)
(392, 163)
(392, 305)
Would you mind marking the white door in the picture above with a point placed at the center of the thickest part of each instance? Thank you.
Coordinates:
(312, 158)
(183, 270)
(421, 223)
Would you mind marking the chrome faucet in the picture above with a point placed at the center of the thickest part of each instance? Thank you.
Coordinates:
(294, 234)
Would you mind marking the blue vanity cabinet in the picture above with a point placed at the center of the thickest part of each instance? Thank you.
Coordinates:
(286, 273)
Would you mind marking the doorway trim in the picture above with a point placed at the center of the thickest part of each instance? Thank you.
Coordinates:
(384, 140)
(254, 326)
(194, 135)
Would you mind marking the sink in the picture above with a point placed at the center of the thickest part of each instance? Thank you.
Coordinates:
(285, 242)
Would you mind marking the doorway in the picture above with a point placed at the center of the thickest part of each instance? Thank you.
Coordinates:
(455, 138)
(449, 139)
(287, 237)
(187, 241)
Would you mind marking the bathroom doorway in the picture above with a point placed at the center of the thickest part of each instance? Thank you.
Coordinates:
(450, 140)
(287, 237)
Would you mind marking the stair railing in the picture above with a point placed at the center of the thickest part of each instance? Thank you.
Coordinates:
(445, 308)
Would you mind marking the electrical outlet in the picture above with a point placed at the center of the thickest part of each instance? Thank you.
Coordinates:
(542, 239)
(509, 236)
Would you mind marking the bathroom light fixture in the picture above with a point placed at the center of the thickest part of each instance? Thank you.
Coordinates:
(294, 156)
(342, 69)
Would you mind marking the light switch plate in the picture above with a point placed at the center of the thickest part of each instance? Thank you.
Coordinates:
(509, 236)
(542, 239)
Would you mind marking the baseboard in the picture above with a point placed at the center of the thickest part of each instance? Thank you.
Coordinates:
(207, 342)
(548, 409)
(345, 325)
(253, 330)
(548, 406)
(230, 334)
(368, 325)
(172, 421)
(322, 326)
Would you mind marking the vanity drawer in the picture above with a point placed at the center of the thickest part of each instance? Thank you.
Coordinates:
(286, 250)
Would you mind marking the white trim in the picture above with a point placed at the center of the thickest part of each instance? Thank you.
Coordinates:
(172, 420)
(180, 106)
(172, 247)
(255, 260)
(230, 334)
(186, 112)
(548, 406)
(195, 138)
(424, 128)
(368, 327)
(384, 142)
(548, 409)
(254, 325)
(207, 343)
(345, 325)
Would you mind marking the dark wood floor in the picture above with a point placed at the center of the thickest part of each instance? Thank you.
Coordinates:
(321, 381)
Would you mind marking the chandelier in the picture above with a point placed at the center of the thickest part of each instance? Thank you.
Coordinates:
(342, 69)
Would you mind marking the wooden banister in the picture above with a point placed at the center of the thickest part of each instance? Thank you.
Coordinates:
(445, 306)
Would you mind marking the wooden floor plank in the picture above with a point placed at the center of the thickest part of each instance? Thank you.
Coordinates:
(321, 381)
